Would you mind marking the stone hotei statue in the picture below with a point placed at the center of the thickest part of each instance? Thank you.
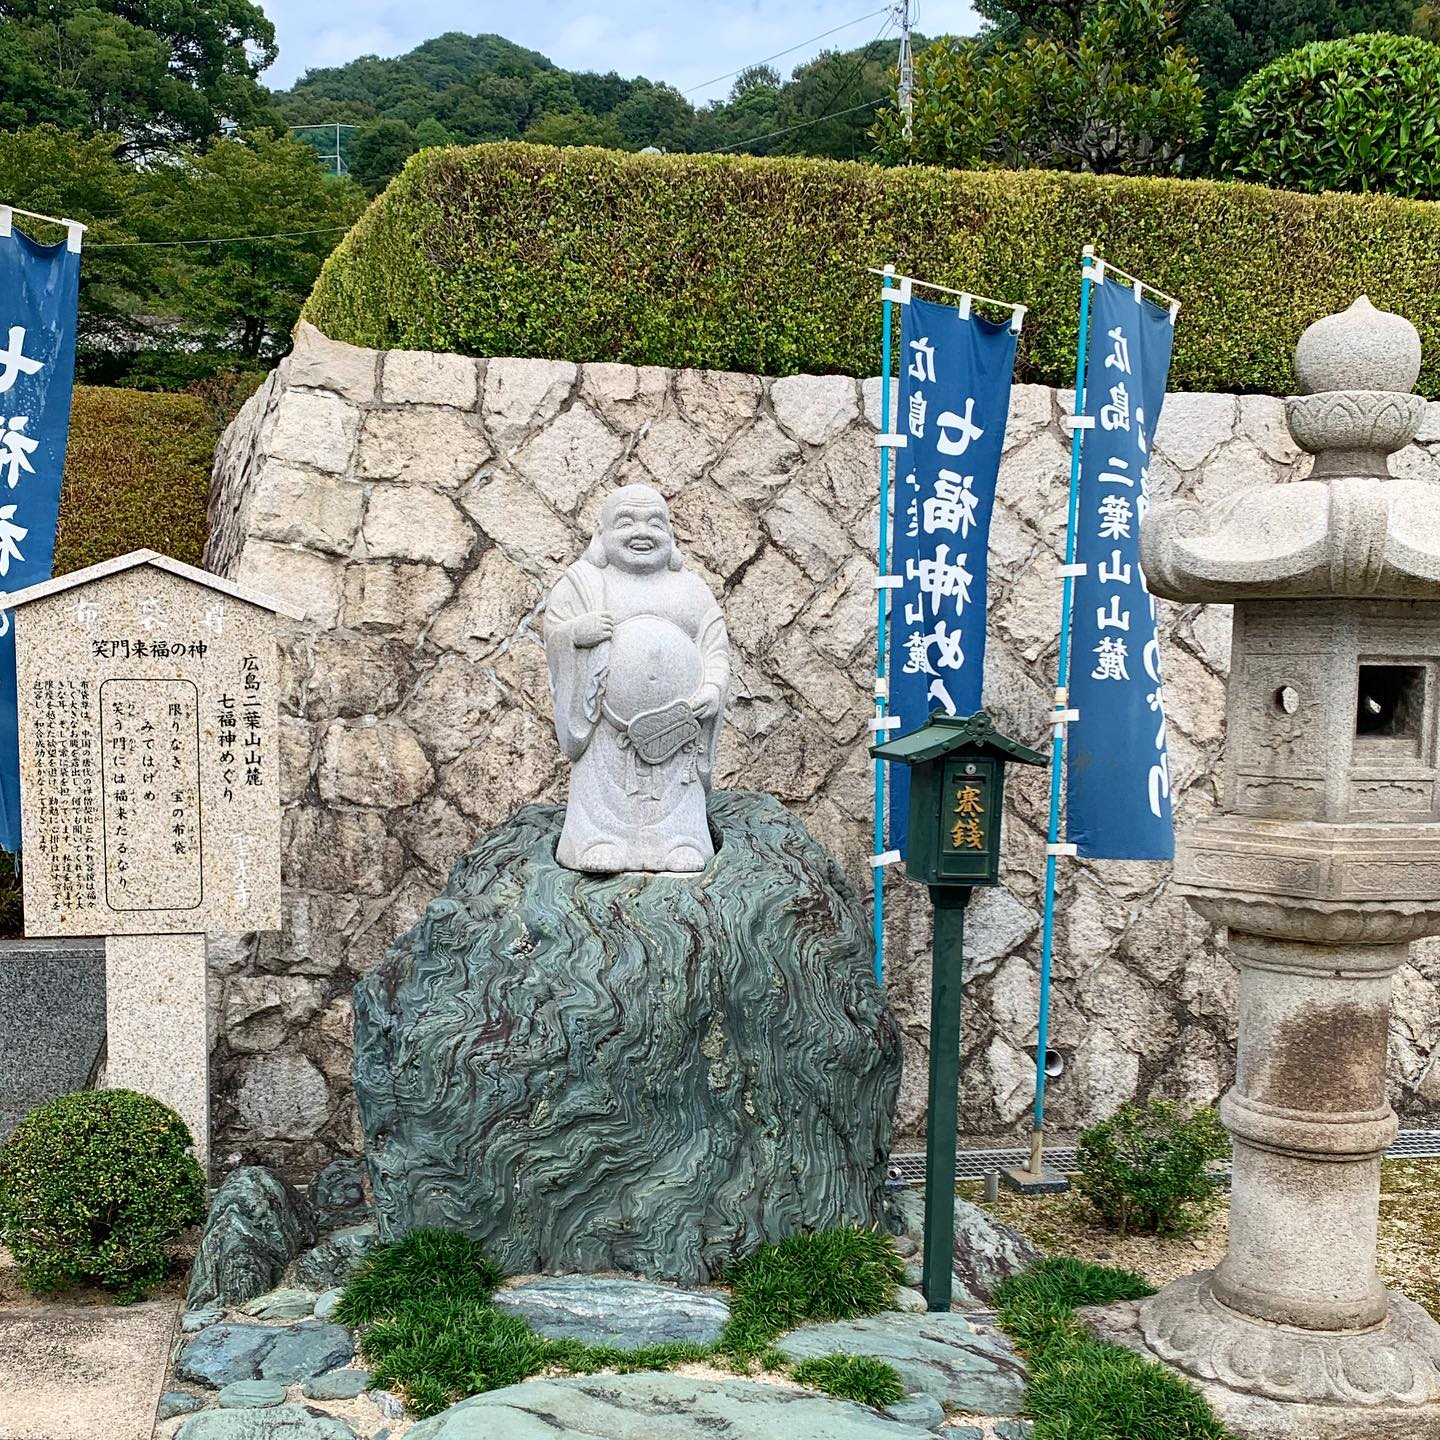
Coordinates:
(639, 665)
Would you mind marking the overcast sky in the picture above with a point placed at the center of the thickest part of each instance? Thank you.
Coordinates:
(684, 42)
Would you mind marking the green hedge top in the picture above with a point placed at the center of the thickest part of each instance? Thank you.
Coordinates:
(760, 265)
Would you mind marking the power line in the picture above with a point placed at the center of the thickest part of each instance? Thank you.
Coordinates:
(219, 240)
(830, 99)
(870, 15)
(804, 125)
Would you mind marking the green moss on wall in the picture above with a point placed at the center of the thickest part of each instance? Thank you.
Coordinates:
(759, 265)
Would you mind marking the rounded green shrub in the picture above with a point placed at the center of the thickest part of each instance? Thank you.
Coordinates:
(1144, 1169)
(1361, 113)
(94, 1188)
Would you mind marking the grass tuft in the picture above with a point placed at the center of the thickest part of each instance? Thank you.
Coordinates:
(831, 1275)
(1081, 1388)
(860, 1378)
(428, 1267)
(430, 1330)
(438, 1349)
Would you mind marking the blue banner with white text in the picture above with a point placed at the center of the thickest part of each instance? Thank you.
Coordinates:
(39, 290)
(955, 373)
(1116, 770)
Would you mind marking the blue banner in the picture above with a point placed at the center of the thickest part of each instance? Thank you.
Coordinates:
(955, 372)
(39, 290)
(1116, 771)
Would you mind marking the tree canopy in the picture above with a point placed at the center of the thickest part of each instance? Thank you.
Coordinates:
(468, 89)
(1098, 85)
(153, 73)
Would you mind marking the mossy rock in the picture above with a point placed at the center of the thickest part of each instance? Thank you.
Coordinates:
(646, 1073)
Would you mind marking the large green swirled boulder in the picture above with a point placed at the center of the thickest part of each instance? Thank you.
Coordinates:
(646, 1073)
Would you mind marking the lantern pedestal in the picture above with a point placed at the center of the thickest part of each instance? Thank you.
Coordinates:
(1321, 867)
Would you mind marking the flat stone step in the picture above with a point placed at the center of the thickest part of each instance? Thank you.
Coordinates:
(628, 1314)
(966, 1367)
(83, 1372)
(658, 1407)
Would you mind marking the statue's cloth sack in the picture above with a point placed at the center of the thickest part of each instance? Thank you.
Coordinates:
(660, 735)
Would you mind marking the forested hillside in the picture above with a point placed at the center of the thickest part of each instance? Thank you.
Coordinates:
(471, 88)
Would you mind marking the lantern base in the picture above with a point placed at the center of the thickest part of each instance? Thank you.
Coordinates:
(1278, 1382)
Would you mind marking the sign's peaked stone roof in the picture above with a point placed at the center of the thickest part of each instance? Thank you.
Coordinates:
(944, 734)
(121, 563)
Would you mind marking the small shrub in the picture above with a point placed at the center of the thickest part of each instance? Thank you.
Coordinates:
(581, 1359)
(831, 1275)
(1081, 1388)
(1362, 113)
(94, 1188)
(431, 1331)
(860, 1378)
(1037, 1303)
(428, 1266)
(1144, 1168)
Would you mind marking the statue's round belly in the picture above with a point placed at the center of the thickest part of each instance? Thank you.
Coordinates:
(653, 663)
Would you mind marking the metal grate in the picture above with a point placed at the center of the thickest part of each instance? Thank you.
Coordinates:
(909, 1169)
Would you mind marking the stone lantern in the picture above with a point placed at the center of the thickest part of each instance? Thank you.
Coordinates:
(1324, 864)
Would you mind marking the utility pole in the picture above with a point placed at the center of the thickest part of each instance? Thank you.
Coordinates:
(907, 69)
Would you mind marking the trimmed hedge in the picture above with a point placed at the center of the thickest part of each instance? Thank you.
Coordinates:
(137, 476)
(759, 264)
(1361, 113)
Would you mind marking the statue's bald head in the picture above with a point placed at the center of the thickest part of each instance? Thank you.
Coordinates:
(633, 532)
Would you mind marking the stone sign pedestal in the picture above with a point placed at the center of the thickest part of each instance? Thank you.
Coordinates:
(1322, 866)
(150, 794)
(157, 1024)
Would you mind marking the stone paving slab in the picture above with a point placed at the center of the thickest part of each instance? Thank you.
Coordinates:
(658, 1407)
(966, 1367)
(83, 1372)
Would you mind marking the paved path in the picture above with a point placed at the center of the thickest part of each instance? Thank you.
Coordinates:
(83, 1372)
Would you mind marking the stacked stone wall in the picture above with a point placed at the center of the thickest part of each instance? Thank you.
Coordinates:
(416, 507)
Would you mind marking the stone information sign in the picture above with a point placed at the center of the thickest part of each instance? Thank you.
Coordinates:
(148, 746)
(150, 794)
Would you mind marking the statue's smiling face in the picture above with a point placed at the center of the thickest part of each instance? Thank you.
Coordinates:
(637, 537)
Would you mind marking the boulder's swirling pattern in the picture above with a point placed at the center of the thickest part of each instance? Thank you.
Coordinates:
(653, 1074)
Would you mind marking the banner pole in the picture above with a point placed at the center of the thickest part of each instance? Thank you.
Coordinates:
(879, 857)
(1062, 717)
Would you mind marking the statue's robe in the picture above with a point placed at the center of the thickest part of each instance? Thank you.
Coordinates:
(623, 813)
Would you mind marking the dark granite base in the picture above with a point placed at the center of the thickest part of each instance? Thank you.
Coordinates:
(52, 1021)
